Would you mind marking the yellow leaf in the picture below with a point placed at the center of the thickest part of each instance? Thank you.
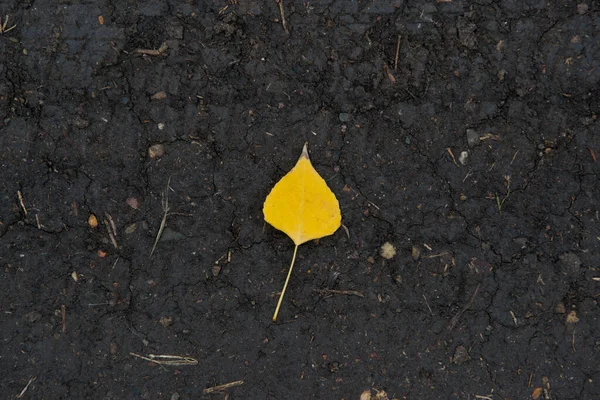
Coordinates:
(302, 205)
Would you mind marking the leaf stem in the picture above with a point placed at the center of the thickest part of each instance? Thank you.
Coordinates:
(285, 285)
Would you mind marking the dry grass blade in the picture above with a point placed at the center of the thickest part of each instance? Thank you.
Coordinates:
(165, 359)
(163, 222)
(282, 12)
(4, 26)
(220, 388)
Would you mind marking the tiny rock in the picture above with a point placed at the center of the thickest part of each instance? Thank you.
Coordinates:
(159, 96)
(156, 151)
(366, 395)
(464, 156)
(572, 318)
(472, 137)
(166, 321)
(131, 228)
(461, 355)
(92, 221)
(416, 252)
(344, 117)
(132, 202)
(81, 123)
(33, 316)
(582, 8)
(387, 251)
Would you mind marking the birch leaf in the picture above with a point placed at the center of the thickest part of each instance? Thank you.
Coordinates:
(302, 205)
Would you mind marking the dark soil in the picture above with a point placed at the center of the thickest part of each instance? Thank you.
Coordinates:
(493, 292)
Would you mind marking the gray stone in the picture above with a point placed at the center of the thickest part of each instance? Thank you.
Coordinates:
(169, 235)
(33, 316)
(344, 117)
(472, 137)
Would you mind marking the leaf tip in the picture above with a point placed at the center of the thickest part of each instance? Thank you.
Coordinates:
(305, 151)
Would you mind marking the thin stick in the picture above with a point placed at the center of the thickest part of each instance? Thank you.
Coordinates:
(63, 312)
(389, 74)
(20, 195)
(333, 291)
(285, 285)
(465, 308)
(222, 387)
(283, 21)
(20, 395)
(166, 359)
(426, 302)
(163, 223)
(397, 54)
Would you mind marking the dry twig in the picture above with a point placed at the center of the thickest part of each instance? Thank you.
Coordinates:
(462, 311)
(345, 292)
(20, 395)
(20, 196)
(389, 74)
(3, 26)
(220, 388)
(283, 21)
(163, 223)
(397, 54)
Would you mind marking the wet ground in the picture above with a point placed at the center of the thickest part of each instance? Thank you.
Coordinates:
(464, 134)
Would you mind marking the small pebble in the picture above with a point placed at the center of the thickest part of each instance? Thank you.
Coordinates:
(572, 318)
(33, 316)
(344, 117)
(132, 202)
(159, 96)
(416, 252)
(464, 156)
(92, 221)
(156, 151)
(472, 137)
(161, 126)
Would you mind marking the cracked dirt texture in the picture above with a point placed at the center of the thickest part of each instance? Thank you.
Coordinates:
(478, 301)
